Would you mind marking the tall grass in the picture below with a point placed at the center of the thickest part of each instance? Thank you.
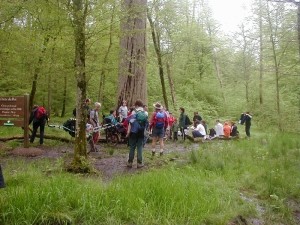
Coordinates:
(205, 191)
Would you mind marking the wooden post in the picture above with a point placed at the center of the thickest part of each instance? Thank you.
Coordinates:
(26, 121)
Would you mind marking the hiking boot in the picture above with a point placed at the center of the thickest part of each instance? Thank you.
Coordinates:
(161, 153)
(129, 164)
(140, 165)
(153, 153)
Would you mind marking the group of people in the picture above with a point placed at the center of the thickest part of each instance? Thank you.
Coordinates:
(226, 130)
(138, 124)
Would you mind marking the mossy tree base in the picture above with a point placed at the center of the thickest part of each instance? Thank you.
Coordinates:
(79, 165)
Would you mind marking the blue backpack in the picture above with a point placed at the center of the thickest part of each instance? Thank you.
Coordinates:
(138, 122)
(160, 119)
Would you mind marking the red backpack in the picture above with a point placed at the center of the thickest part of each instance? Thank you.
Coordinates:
(40, 113)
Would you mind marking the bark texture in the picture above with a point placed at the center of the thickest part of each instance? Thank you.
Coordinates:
(132, 65)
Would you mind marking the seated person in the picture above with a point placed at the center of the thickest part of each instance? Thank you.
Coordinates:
(199, 131)
(227, 130)
(234, 132)
(219, 128)
(212, 133)
(111, 118)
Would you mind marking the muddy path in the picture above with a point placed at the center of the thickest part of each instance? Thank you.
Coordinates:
(109, 161)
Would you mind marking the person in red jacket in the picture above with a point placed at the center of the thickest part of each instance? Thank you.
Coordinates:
(227, 130)
(158, 125)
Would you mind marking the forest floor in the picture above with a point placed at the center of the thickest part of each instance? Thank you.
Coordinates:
(109, 161)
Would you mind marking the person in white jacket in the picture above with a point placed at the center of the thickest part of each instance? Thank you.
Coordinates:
(199, 131)
(219, 128)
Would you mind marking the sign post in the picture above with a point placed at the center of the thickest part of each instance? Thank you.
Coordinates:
(26, 121)
(14, 111)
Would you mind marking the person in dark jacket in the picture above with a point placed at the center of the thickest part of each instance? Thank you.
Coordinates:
(234, 132)
(246, 119)
(37, 123)
(196, 117)
(182, 122)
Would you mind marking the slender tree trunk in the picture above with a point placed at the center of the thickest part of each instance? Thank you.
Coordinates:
(297, 3)
(217, 67)
(171, 83)
(132, 66)
(49, 86)
(105, 60)
(156, 42)
(276, 66)
(298, 31)
(63, 111)
(245, 67)
(79, 20)
(261, 68)
(36, 74)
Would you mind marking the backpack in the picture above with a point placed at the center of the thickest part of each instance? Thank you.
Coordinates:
(141, 117)
(160, 119)
(70, 126)
(187, 121)
(40, 113)
(138, 122)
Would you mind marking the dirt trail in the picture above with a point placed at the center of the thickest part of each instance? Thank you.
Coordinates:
(109, 161)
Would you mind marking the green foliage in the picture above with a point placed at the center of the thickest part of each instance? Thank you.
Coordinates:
(37, 37)
(248, 178)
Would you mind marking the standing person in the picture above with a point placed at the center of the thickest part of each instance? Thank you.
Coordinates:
(219, 129)
(246, 119)
(87, 107)
(174, 130)
(171, 120)
(158, 125)
(39, 118)
(183, 121)
(146, 134)
(123, 111)
(94, 121)
(138, 121)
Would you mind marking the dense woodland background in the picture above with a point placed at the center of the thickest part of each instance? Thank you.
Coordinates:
(190, 62)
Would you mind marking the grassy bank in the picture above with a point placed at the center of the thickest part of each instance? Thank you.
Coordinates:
(255, 179)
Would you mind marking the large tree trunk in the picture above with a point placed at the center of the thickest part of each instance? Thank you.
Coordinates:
(132, 65)
(156, 42)
(80, 153)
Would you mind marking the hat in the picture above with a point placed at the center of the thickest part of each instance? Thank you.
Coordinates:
(157, 105)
